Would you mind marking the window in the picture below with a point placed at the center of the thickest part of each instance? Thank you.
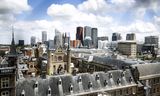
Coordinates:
(31, 66)
(157, 89)
(154, 81)
(5, 93)
(5, 82)
(59, 58)
(120, 92)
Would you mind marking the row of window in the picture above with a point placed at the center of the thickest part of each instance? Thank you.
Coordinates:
(123, 92)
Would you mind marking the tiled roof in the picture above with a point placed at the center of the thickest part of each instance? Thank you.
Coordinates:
(82, 83)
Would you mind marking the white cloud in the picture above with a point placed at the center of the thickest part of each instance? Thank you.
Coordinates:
(13, 6)
(66, 17)
(8, 10)
(70, 17)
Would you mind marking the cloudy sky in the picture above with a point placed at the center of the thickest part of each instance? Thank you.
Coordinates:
(30, 17)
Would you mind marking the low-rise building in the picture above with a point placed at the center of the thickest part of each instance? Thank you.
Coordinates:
(128, 48)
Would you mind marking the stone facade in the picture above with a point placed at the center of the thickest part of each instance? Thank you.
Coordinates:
(56, 64)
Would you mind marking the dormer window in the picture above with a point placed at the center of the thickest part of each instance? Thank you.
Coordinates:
(130, 79)
(79, 79)
(59, 82)
(49, 91)
(36, 85)
(90, 85)
(105, 83)
(97, 77)
(71, 88)
(110, 75)
(23, 93)
(122, 74)
(118, 81)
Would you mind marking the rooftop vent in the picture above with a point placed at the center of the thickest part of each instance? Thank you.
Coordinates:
(105, 83)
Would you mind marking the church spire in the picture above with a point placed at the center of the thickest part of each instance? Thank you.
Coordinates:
(13, 47)
(13, 43)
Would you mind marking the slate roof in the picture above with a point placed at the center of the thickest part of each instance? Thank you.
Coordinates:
(150, 70)
(80, 84)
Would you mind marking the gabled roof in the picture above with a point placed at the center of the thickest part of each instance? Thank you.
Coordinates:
(4, 61)
(59, 50)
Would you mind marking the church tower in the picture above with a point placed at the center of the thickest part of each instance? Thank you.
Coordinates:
(8, 71)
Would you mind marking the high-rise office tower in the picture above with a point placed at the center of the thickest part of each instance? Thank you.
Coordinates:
(94, 34)
(87, 31)
(57, 38)
(33, 40)
(79, 34)
(44, 36)
(131, 36)
(116, 36)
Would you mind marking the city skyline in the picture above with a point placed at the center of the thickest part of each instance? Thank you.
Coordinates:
(30, 18)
